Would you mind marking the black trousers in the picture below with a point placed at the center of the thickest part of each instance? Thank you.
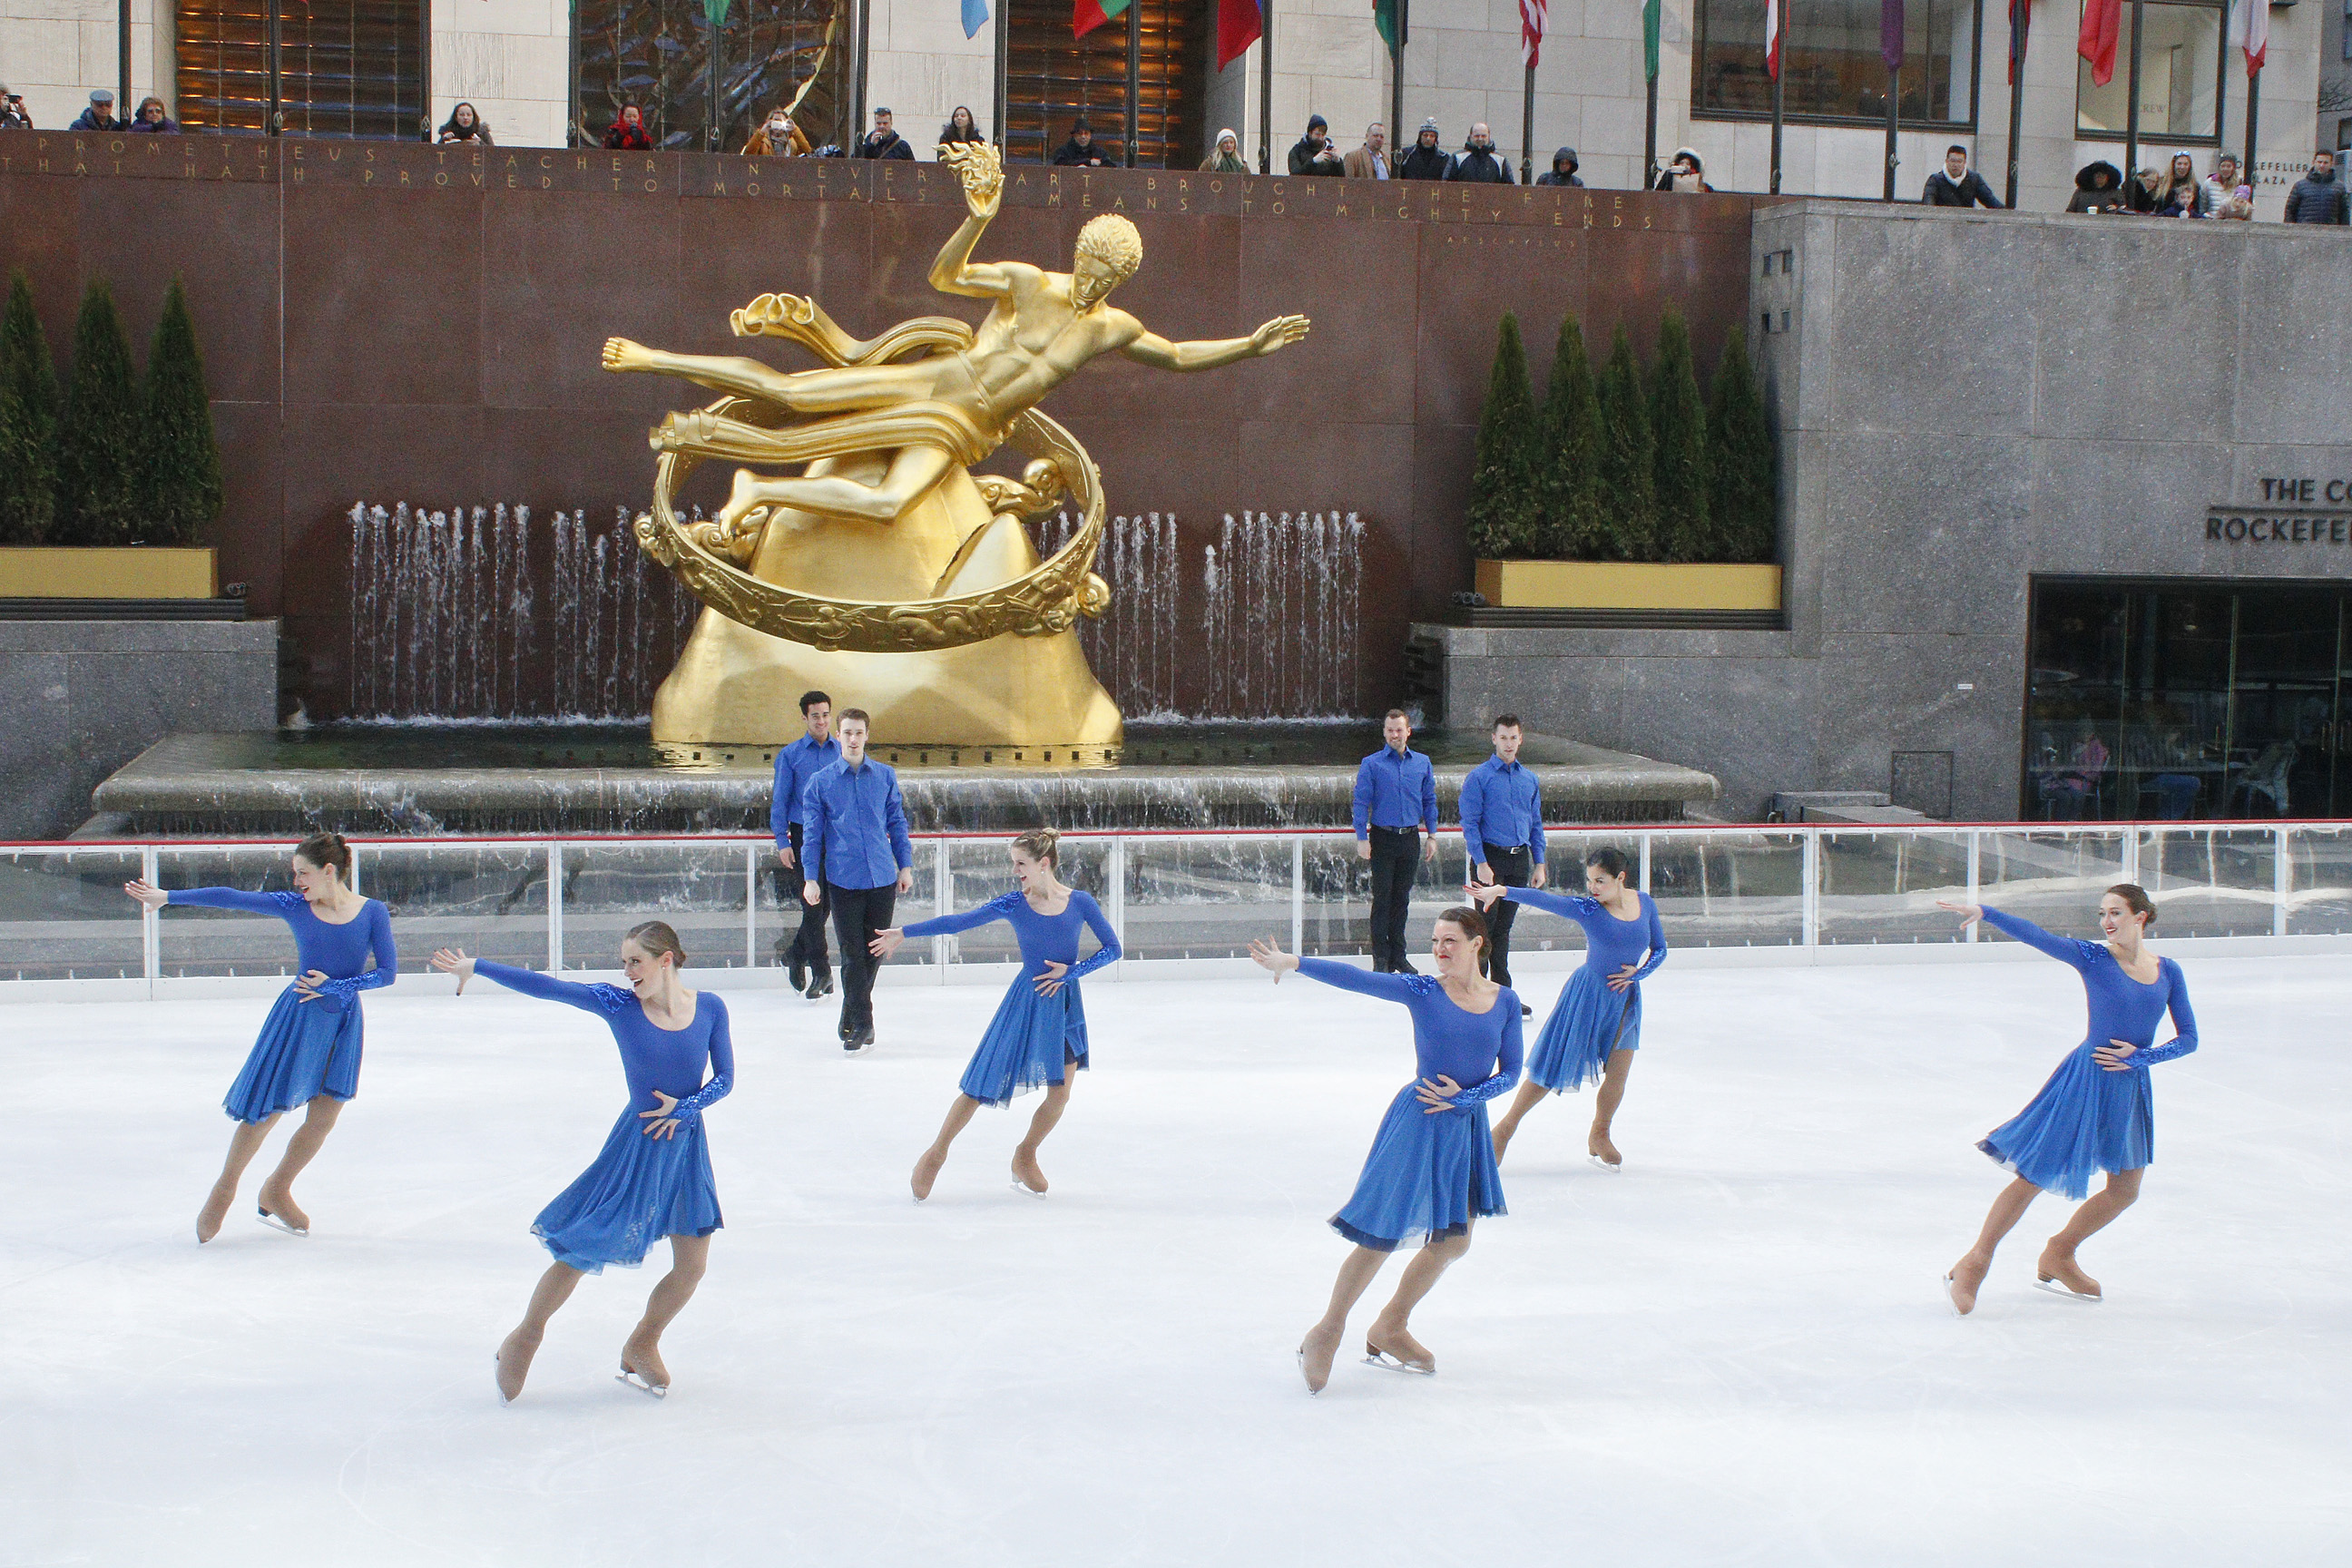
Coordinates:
(1396, 859)
(1512, 869)
(807, 945)
(859, 913)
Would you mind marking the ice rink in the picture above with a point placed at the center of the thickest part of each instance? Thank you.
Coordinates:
(1736, 1352)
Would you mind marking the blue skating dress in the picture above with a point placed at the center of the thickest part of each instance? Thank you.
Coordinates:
(2087, 1119)
(641, 1188)
(1033, 1038)
(308, 1048)
(1429, 1176)
(1589, 1020)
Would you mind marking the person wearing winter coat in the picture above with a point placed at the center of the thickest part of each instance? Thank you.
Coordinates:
(777, 137)
(1314, 154)
(1080, 152)
(1427, 160)
(1563, 169)
(1370, 161)
(960, 128)
(1956, 184)
(1685, 174)
(2098, 188)
(628, 132)
(884, 141)
(2227, 196)
(12, 111)
(2181, 194)
(99, 115)
(153, 119)
(463, 125)
(1226, 159)
(1478, 162)
(2318, 197)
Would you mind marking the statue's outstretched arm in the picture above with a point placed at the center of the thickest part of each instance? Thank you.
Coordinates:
(955, 272)
(1153, 350)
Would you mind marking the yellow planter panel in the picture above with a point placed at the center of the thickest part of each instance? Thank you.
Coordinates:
(1627, 586)
(43, 572)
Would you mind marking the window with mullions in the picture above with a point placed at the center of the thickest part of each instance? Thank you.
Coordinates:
(655, 54)
(2181, 73)
(1831, 67)
(346, 68)
(1053, 80)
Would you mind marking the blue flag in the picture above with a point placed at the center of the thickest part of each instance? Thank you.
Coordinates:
(975, 18)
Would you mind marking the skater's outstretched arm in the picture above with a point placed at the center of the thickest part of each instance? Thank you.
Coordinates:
(282, 905)
(2066, 950)
(999, 908)
(600, 999)
(1577, 907)
(1347, 977)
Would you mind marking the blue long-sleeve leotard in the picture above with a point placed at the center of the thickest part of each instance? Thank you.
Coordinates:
(1481, 1051)
(1609, 943)
(670, 1060)
(2121, 1008)
(340, 951)
(1043, 938)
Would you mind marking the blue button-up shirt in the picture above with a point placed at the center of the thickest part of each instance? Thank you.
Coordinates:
(796, 765)
(1395, 790)
(853, 826)
(1502, 806)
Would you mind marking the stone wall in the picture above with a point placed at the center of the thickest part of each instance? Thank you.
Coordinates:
(80, 698)
(1964, 403)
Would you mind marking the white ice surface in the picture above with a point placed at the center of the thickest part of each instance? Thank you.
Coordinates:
(1736, 1352)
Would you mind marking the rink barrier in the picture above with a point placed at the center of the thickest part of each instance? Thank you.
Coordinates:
(1185, 904)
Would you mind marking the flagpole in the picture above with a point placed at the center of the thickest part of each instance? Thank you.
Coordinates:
(2253, 118)
(1649, 69)
(1265, 87)
(1528, 130)
(1396, 85)
(1003, 42)
(1776, 132)
(2021, 27)
(2131, 115)
(1135, 80)
(1893, 105)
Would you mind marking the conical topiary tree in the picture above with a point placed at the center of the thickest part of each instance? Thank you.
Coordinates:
(180, 463)
(1568, 516)
(1503, 482)
(28, 422)
(1626, 481)
(1678, 429)
(1741, 492)
(98, 448)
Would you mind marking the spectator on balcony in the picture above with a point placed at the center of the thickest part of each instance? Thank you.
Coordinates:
(628, 132)
(777, 137)
(463, 125)
(12, 111)
(1314, 154)
(2140, 191)
(1080, 152)
(2181, 194)
(1478, 163)
(1685, 174)
(2318, 197)
(960, 128)
(1563, 169)
(1227, 158)
(2227, 196)
(884, 141)
(1956, 184)
(1370, 161)
(99, 115)
(2098, 188)
(1427, 161)
(153, 119)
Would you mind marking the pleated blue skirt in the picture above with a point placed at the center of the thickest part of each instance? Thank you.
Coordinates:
(1031, 1042)
(2086, 1120)
(306, 1049)
(639, 1190)
(1586, 1023)
(1427, 1176)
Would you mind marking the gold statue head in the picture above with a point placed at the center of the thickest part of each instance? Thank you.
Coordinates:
(1110, 252)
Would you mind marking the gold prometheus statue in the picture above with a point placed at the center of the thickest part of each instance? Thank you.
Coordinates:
(882, 570)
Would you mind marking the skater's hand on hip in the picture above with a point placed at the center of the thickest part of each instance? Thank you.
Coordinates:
(1267, 954)
(1623, 979)
(659, 1122)
(2112, 1056)
(306, 985)
(886, 943)
(1051, 981)
(1970, 913)
(1437, 1093)
(147, 893)
(453, 961)
(811, 894)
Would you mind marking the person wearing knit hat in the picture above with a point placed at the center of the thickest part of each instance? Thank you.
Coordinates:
(1315, 154)
(1427, 160)
(1225, 158)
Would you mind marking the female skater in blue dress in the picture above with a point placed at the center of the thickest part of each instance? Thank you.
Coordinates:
(2094, 1112)
(1039, 1033)
(1596, 1027)
(1430, 1173)
(651, 1179)
(308, 1050)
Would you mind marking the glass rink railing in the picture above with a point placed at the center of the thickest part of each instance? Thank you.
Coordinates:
(1181, 902)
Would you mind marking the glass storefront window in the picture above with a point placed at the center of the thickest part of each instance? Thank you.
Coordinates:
(1830, 69)
(2152, 703)
(2179, 78)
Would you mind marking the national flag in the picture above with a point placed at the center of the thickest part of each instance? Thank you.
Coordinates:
(2021, 22)
(1890, 34)
(1385, 22)
(1649, 9)
(2250, 29)
(1772, 38)
(1531, 31)
(1240, 23)
(1089, 15)
(975, 18)
(2101, 22)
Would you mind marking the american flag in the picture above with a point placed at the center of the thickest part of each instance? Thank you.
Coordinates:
(1531, 30)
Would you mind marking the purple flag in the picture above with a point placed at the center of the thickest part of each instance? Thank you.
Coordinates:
(1890, 34)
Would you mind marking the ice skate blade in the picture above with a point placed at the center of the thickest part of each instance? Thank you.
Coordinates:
(1382, 1359)
(496, 1362)
(1616, 1170)
(659, 1391)
(2058, 1288)
(1019, 1186)
(1952, 1296)
(274, 1223)
(1312, 1390)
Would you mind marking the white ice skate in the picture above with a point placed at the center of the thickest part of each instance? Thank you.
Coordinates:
(1375, 1356)
(1616, 1170)
(658, 1390)
(2057, 1287)
(274, 1223)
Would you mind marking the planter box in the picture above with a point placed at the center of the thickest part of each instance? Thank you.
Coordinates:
(107, 571)
(1627, 586)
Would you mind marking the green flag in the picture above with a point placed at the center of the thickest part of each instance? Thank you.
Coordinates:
(1385, 18)
(1650, 39)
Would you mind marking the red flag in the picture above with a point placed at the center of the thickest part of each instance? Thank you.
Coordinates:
(1086, 16)
(1772, 38)
(1240, 23)
(1531, 31)
(2102, 21)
